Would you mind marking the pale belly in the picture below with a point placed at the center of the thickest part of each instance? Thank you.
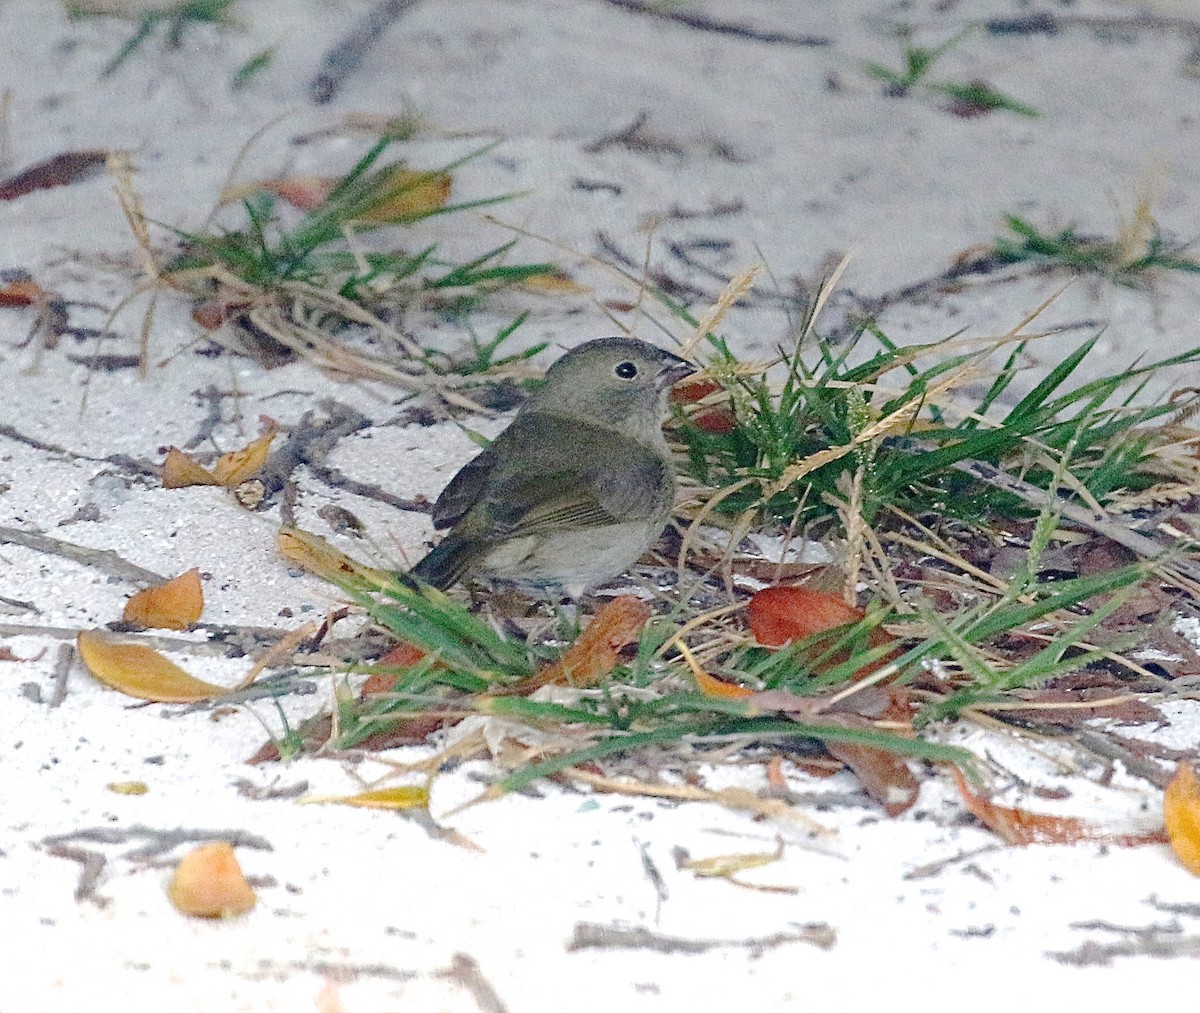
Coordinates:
(575, 560)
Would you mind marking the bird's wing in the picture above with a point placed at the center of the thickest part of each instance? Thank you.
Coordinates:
(568, 473)
(464, 490)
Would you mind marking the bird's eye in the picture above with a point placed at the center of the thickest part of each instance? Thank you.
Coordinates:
(626, 370)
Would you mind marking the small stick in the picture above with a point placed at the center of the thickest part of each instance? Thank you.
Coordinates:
(92, 863)
(62, 669)
(590, 936)
(345, 57)
(102, 559)
(703, 23)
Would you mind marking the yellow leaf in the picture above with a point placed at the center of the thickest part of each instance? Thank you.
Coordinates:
(399, 194)
(317, 556)
(208, 883)
(1181, 813)
(179, 471)
(128, 787)
(174, 605)
(729, 865)
(554, 283)
(408, 796)
(141, 672)
(407, 194)
(232, 469)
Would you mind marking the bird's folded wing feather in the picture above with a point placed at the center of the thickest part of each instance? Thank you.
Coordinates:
(568, 473)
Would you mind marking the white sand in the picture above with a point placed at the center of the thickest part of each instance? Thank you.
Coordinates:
(366, 911)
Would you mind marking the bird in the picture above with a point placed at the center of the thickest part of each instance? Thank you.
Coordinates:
(576, 488)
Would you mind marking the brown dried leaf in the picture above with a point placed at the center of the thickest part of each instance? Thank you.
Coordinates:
(179, 471)
(1018, 826)
(598, 649)
(22, 292)
(235, 467)
(883, 775)
(61, 170)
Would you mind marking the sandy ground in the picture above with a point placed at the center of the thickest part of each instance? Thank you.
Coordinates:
(748, 148)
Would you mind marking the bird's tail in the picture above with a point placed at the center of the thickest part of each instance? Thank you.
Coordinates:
(447, 562)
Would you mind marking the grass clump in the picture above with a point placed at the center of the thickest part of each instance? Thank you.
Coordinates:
(969, 98)
(174, 17)
(889, 428)
(868, 454)
(267, 254)
(1126, 260)
(331, 279)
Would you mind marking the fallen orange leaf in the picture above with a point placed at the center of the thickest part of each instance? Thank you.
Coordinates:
(780, 615)
(235, 467)
(401, 656)
(598, 649)
(179, 471)
(141, 672)
(208, 883)
(710, 685)
(1181, 813)
(230, 470)
(1018, 826)
(174, 605)
(22, 292)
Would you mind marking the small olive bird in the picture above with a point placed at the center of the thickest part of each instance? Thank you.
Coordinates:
(577, 487)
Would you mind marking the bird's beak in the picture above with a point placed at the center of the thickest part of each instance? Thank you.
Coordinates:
(673, 370)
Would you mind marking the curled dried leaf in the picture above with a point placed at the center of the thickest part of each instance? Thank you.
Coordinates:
(179, 471)
(598, 649)
(230, 470)
(208, 883)
(61, 170)
(1018, 826)
(175, 605)
(235, 467)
